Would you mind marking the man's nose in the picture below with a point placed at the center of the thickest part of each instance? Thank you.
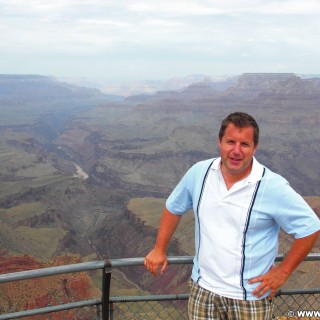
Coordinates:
(237, 148)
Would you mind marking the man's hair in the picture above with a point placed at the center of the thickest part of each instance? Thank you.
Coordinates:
(240, 120)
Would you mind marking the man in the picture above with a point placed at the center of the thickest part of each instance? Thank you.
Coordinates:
(239, 206)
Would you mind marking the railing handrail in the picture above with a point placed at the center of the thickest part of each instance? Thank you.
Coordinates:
(51, 271)
(106, 266)
(112, 263)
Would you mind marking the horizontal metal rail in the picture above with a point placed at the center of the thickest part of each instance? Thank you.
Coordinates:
(112, 263)
(162, 297)
(185, 296)
(106, 266)
(61, 307)
(126, 299)
(52, 271)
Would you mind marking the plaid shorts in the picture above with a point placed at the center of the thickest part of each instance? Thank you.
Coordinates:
(205, 305)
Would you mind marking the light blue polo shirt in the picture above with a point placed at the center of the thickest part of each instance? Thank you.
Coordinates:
(236, 230)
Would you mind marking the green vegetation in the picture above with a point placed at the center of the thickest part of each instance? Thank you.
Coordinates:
(9, 188)
(22, 212)
(43, 242)
(14, 159)
(22, 166)
(149, 210)
(35, 170)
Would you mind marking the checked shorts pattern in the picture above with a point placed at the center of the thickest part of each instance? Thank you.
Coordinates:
(205, 305)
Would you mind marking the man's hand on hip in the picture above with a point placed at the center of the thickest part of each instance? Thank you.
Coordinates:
(272, 281)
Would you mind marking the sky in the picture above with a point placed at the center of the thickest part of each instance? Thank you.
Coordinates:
(124, 40)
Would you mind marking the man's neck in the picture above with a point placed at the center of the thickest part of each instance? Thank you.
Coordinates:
(231, 178)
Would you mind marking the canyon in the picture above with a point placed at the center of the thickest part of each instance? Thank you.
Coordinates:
(73, 160)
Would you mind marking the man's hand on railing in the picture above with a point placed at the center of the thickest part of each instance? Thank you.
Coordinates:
(157, 257)
(154, 260)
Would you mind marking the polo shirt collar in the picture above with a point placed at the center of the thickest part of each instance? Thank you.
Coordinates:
(256, 172)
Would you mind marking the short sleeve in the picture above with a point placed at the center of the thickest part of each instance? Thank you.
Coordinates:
(294, 215)
(180, 199)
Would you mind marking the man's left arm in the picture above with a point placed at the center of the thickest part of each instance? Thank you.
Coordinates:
(278, 275)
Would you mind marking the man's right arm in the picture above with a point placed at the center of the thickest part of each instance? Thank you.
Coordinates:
(157, 256)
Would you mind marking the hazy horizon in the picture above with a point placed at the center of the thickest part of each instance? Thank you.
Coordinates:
(146, 86)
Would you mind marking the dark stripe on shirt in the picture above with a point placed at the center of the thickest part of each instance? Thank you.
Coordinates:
(245, 234)
(197, 213)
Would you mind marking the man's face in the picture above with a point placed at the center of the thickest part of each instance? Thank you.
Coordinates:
(237, 149)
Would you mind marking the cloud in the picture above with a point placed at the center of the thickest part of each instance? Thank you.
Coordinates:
(143, 34)
(192, 8)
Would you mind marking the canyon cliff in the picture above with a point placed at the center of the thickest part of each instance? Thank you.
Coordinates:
(39, 293)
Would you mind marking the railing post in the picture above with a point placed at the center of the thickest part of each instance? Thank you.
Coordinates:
(106, 281)
(111, 310)
(98, 312)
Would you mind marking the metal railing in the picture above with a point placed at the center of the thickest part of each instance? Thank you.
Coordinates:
(105, 305)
